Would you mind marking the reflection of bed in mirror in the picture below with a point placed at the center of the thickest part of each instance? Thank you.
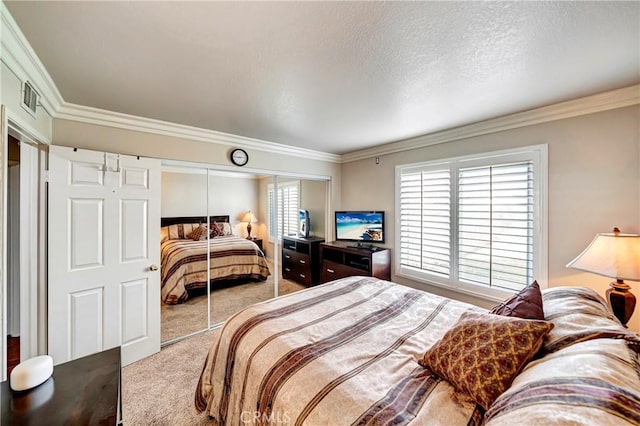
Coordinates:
(184, 260)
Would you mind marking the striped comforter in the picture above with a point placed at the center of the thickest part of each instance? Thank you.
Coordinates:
(590, 374)
(341, 353)
(346, 353)
(184, 264)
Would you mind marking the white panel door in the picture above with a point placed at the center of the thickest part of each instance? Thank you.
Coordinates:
(104, 222)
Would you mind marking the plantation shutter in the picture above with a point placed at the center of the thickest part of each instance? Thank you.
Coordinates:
(425, 211)
(495, 225)
(287, 208)
(273, 226)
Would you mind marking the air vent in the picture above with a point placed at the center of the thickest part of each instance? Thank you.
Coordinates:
(29, 97)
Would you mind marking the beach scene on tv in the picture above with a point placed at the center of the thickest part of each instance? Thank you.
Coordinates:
(359, 226)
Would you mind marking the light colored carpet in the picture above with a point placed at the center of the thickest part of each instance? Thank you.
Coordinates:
(191, 316)
(159, 389)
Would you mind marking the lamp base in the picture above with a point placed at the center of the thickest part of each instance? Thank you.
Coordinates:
(622, 301)
(248, 230)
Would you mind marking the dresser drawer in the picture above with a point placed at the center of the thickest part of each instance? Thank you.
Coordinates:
(297, 272)
(290, 270)
(303, 276)
(332, 271)
(294, 258)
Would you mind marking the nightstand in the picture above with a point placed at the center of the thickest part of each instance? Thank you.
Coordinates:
(83, 391)
(258, 242)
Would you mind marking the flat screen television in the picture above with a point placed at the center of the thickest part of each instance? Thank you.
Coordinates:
(360, 226)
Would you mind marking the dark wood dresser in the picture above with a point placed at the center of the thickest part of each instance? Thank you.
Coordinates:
(301, 259)
(339, 261)
(85, 391)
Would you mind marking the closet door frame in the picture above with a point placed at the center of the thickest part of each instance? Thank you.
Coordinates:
(33, 252)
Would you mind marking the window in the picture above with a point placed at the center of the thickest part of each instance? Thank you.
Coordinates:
(287, 209)
(474, 223)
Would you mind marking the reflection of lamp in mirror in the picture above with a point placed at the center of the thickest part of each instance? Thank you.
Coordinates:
(616, 256)
(249, 218)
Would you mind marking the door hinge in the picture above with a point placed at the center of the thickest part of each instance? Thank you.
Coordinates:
(45, 175)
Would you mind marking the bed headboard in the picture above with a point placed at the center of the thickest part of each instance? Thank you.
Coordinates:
(166, 221)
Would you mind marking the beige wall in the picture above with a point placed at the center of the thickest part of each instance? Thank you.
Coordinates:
(312, 198)
(185, 194)
(594, 185)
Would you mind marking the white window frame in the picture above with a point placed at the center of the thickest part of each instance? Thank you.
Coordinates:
(271, 189)
(538, 154)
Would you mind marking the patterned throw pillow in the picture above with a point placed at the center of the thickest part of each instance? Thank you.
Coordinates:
(482, 353)
(216, 230)
(198, 233)
(526, 304)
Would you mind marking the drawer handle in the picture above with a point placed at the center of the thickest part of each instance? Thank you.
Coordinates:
(331, 271)
(287, 269)
(286, 256)
(291, 247)
(303, 276)
(303, 261)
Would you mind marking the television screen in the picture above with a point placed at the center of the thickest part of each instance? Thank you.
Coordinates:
(360, 226)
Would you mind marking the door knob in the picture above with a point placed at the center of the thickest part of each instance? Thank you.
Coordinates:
(153, 267)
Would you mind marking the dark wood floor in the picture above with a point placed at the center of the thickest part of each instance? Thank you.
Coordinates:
(13, 353)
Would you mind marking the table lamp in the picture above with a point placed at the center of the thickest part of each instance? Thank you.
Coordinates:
(249, 218)
(614, 255)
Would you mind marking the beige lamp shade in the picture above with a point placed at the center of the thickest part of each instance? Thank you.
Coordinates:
(612, 255)
(249, 217)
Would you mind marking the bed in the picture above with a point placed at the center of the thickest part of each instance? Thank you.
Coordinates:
(350, 352)
(185, 262)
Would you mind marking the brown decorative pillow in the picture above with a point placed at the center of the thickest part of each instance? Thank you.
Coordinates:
(482, 353)
(198, 233)
(216, 230)
(525, 304)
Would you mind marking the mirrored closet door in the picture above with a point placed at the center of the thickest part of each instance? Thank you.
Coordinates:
(222, 233)
(184, 251)
(240, 272)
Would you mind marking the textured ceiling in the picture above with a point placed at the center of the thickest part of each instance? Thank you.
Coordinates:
(331, 76)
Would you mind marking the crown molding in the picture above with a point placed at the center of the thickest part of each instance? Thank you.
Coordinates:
(171, 167)
(21, 59)
(601, 102)
(102, 117)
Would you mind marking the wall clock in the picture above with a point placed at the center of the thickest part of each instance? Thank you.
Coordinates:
(239, 157)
